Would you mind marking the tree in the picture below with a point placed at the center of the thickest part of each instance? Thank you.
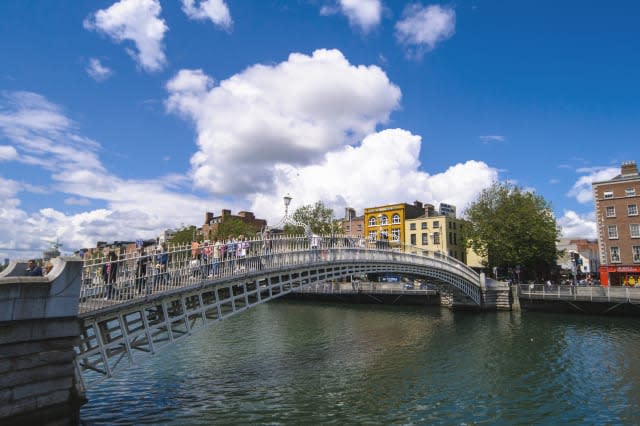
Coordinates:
(184, 235)
(319, 218)
(513, 228)
(233, 227)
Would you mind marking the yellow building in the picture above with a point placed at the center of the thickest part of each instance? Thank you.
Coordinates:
(438, 232)
(388, 222)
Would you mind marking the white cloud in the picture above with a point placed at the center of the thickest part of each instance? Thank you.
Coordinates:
(97, 71)
(422, 27)
(8, 153)
(578, 226)
(492, 138)
(289, 113)
(214, 10)
(136, 21)
(383, 169)
(363, 14)
(582, 189)
(45, 138)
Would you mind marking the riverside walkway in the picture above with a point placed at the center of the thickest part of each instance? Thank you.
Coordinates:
(133, 305)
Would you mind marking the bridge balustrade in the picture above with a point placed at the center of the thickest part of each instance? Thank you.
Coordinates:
(141, 275)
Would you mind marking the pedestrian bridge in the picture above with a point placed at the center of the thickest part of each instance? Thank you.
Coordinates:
(135, 305)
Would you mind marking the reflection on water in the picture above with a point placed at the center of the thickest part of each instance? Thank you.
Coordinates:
(293, 363)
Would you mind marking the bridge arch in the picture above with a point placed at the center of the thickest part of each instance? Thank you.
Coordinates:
(114, 335)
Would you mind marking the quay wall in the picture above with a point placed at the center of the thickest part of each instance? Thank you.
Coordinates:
(39, 327)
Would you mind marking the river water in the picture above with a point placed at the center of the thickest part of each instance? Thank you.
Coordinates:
(308, 363)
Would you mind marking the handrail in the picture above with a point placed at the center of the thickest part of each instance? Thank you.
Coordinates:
(137, 275)
(573, 292)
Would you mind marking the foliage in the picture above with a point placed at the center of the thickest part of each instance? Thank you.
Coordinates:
(317, 216)
(185, 235)
(233, 227)
(511, 227)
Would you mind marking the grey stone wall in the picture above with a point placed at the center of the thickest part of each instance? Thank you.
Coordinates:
(38, 329)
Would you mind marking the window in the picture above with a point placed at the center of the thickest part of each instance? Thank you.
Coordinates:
(615, 254)
(611, 211)
(635, 230)
(359, 227)
(630, 192)
(347, 228)
(425, 239)
(372, 221)
(412, 226)
(395, 235)
(436, 224)
(632, 210)
(395, 219)
(384, 220)
(636, 254)
(372, 235)
(423, 225)
(413, 239)
(613, 232)
(608, 194)
(436, 238)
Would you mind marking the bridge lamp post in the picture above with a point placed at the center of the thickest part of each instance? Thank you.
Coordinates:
(287, 200)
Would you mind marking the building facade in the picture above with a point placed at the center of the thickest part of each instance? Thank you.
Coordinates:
(616, 207)
(387, 223)
(438, 232)
(352, 225)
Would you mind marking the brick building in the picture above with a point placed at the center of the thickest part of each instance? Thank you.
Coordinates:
(352, 225)
(616, 206)
(212, 222)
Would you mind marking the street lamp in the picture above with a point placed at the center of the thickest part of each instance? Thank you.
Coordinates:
(287, 200)
(288, 220)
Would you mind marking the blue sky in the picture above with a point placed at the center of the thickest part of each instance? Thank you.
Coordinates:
(121, 119)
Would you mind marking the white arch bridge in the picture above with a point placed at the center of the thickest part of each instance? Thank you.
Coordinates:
(134, 305)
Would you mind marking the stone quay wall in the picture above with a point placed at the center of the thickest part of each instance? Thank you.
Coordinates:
(38, 329)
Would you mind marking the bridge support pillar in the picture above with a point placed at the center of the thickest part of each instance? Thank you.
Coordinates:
(38, 329)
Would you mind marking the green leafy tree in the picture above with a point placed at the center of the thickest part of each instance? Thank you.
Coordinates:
(513, 228)
(233, 227)
(319, 218)
(185, 235)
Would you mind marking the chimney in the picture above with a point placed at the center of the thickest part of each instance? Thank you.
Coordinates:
(349, 213)
(629, 168)
(208, 217)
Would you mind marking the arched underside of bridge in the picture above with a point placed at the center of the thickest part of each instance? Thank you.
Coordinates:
(115, 338)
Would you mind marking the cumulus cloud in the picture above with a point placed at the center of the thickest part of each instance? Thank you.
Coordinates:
(582, 190)
(575, 225)
(136, 21)
(383, 169)
(423, 27)
(362, 14)
(290, 113)
(97, 71)
(214, 10)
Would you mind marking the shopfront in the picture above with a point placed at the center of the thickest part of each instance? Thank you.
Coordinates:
(611, 275)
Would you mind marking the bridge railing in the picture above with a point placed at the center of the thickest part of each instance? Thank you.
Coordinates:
(129, 276)
(573, 292)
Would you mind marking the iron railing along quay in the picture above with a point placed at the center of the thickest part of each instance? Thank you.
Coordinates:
(580, 293)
